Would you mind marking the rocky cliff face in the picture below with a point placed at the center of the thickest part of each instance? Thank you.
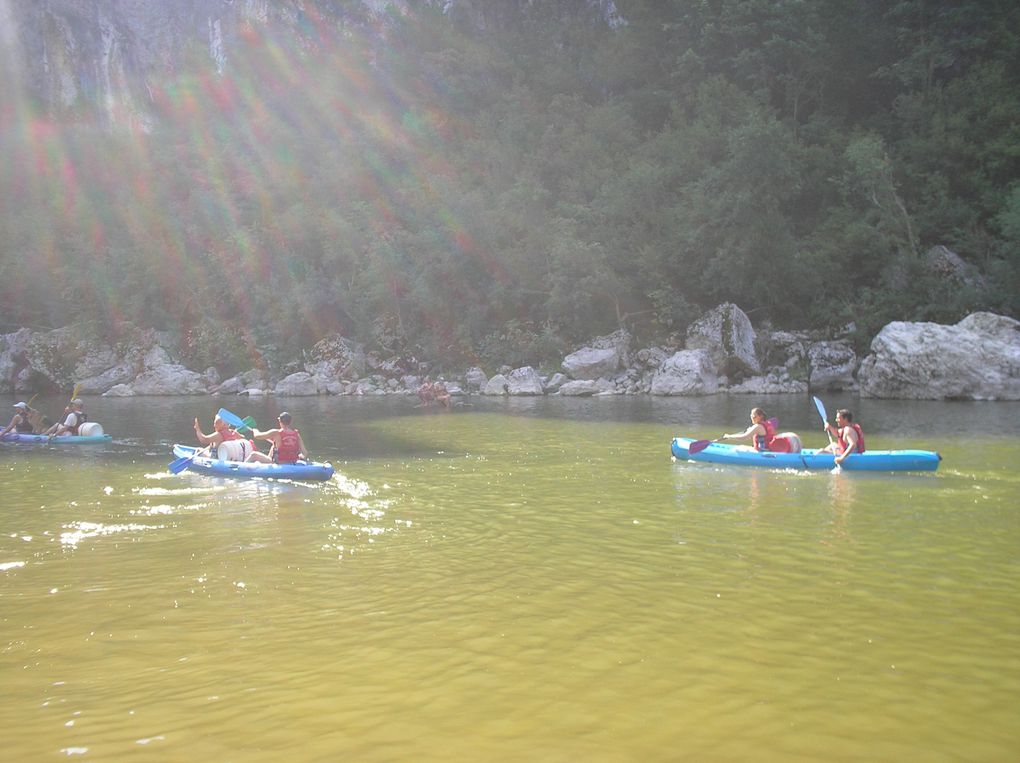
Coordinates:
(99, 59)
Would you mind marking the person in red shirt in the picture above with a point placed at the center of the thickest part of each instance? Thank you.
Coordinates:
(287, 445)
(849, 436)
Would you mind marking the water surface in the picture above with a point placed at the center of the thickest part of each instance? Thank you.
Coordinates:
(510, 580)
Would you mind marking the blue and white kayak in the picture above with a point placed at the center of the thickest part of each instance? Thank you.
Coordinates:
(809, 458)
(302, 470)
(64, 439)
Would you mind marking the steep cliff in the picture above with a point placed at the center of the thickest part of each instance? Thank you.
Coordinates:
(98, 60)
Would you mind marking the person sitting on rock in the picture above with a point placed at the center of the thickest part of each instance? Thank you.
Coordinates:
(426, 392)
(440, 394)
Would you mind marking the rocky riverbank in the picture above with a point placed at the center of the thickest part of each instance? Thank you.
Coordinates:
(975, 359)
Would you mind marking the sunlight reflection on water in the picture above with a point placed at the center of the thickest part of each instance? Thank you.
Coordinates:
(498, 584)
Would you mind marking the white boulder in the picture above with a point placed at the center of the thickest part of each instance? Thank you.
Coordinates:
(726, 333)
(688, 372)
(976, 359)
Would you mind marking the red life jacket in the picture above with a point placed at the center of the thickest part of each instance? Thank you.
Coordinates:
(289, 448)
(764, 441)
(860, 438)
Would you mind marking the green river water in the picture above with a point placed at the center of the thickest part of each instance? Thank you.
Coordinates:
(513, 580)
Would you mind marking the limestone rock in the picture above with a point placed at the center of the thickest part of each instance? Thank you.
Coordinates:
(726, 333)
(524, 381)
(688, 372)
(976, 359)
(832, 365)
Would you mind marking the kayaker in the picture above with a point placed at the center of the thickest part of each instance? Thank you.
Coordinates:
(763, 435)
(849, 436)
(19, 421)
(757, 431)
(223, 433)
(73, 420)
(287, 445)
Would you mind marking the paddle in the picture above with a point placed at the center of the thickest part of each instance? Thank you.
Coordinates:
(825, 422)
(699, 445)
(180, 464)
(825, 417)
(235, 421)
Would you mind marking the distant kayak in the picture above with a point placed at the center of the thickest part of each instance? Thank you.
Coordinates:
(64, 439)
(302, 470)
(809, 458)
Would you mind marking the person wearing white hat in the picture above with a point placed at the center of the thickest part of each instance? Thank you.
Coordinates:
(19, 421)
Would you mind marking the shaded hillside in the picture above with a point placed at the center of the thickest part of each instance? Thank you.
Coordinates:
(472, 186)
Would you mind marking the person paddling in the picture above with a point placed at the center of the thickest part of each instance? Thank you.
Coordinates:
(287, 445)
(849, 436)
(72, 422)
(19, 421)
(758, 431)
(763, 435)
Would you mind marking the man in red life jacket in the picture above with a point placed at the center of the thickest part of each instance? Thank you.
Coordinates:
(849, 436)
(288, 446)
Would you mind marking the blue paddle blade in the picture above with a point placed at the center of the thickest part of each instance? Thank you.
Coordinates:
(179, 465)
(233, 419)
(821, 410)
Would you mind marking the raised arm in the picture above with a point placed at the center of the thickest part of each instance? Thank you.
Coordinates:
(206, 439)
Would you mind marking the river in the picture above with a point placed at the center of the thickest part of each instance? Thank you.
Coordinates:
(514, 579)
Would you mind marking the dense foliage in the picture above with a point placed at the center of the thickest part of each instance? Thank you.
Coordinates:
(495, 193)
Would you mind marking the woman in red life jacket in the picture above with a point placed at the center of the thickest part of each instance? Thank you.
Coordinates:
(288, 446)
(760, 431)
(849, 436)
(763, 435)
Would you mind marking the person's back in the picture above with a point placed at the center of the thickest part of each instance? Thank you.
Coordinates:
(287, 445)
(288, 448)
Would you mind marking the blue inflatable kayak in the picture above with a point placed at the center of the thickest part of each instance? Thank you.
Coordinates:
(809, 458)
(64, 439)
(302, 470)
